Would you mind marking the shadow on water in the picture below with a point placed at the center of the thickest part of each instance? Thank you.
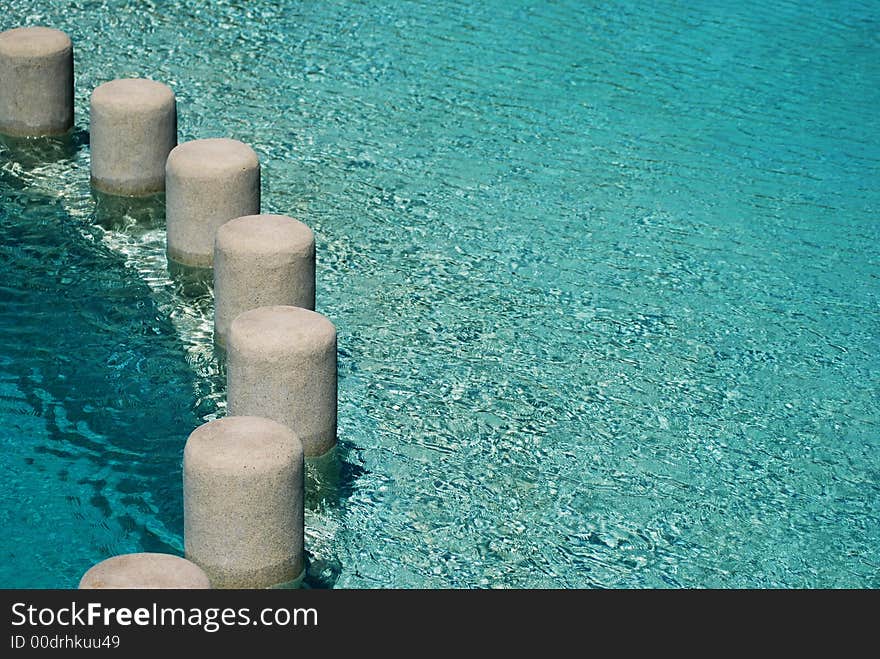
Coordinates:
(100, 366)
(103, 368)
(33, 152)
(321, 573)
(330, 479)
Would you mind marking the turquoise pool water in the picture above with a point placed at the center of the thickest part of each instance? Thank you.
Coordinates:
(605, 275)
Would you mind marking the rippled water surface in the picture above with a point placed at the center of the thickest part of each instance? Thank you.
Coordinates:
(605, 276)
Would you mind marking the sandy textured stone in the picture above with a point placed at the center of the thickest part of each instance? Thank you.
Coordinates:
(133, 127)
(243, 498)
(207, 183)
(145, 570)
(36, 82)
(282, 365)
(259, 261)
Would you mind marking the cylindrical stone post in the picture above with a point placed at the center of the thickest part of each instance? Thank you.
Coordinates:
(145, 571)
(36, 82)
(243, 494)
(207, 183)
(260, 261)
(282, 365)
(133, 127)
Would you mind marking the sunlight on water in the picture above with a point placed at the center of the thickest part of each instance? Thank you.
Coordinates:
(605, 277)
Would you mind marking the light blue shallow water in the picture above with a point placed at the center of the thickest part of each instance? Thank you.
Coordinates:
(605, 276)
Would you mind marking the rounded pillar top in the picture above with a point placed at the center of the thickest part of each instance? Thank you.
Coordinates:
(265, 234)
(281, 330)
(242, 445)
(133, 94)
(33, 42)
(211, 157)
(145, 571)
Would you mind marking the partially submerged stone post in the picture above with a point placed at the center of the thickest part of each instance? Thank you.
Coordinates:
(243, 502)
(133, 127)
(207, 183)
(261, 260)
(281, 364)
(146, 570)
(36, 82)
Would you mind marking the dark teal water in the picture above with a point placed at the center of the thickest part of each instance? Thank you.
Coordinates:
(605, 275)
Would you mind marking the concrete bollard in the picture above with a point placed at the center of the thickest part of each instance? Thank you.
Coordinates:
(36, 82)
(133, 127)
(259, 261)
(243, 493)
(207, 183)
(281, 365)
(145, 571)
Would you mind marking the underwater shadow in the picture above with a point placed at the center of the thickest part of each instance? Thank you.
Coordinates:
(330, 479)
(131, 215)
(191, 282)
(30, 153)
(321, 574)
(100, 365)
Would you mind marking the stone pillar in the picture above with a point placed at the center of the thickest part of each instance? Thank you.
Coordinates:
(133, 127)
(144, 571)
(207, 183)
(281, 364)
(243, 502)
(36, 82)
(261, 260)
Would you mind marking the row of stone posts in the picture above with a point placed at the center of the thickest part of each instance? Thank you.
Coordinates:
(243, 475)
